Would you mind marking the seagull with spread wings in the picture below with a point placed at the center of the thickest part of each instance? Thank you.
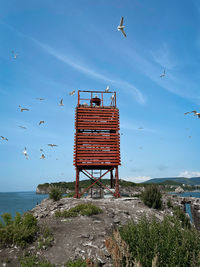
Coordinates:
(42, 156)
(193, 111)
(121, 26)
(41, 122)
(23, 109)
(25, 153)
(61, 102)
(162, 74)
(15, 55)
(4, 138)
(72, 93)
(52, 145)
(22, 127)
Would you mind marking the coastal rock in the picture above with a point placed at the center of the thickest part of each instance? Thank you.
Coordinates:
(179, 190)
(42, 190)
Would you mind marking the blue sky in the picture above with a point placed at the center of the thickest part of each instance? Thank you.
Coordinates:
(74, 45)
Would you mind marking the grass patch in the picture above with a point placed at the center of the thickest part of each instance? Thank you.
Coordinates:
(19, 231)
(33, 261)
(167, 243)
(81, 209)
(77, 263)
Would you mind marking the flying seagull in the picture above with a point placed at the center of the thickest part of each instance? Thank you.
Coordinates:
(38, 98)
(4, 138)
(72, 93)
(15, 55)
(61, 102)
(163, 74)
(42, 156)
(193, 111)
(25, 153)
(23, 109)
(41, 122)
(121, 26)
(52, 145)
(22, 127)
(107, 89)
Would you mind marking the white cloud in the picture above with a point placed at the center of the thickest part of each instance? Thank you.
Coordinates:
(189, 174)
(137, 179)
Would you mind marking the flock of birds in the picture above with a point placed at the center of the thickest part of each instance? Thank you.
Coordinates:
(22, 109)
(72, 93)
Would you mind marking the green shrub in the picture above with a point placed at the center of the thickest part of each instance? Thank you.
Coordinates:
(7, 218)
(81, 209)
(55, 193)
(33, 261)
(20, 231)
(169, 204)
(152, 197)
(167, 241)
(46, 237)
(181, 215)
(77, 263)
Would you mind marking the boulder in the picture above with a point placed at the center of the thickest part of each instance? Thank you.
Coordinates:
(179, 190)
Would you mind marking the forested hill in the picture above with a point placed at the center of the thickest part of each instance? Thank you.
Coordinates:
(178, 180)
(64, 186)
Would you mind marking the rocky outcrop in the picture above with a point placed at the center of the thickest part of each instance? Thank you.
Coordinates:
(83, 236)
(42, 190)
(179, 190)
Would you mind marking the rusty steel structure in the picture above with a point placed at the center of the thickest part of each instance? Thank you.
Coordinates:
(97, 140)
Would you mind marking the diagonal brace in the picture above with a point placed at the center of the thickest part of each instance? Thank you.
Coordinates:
(96, 180)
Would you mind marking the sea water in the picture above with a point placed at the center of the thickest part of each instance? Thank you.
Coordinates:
(189, 194)
(21, 202)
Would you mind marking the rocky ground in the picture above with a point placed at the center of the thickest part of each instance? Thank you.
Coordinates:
(82, 236)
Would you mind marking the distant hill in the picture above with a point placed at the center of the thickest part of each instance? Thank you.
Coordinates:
(178, 180)
(170, 182)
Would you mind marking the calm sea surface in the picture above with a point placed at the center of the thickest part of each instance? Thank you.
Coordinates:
(19, 201)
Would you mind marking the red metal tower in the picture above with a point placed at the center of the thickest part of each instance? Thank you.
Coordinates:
(97, 142)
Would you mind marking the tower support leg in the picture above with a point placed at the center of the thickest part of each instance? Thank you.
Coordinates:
(117, 194)
(111, 179)
(77, 195)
